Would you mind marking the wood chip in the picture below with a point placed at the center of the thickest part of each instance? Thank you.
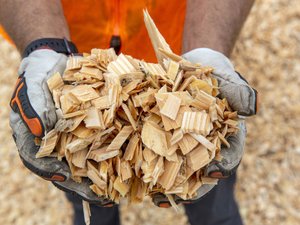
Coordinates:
(172, 70)
(55, 82)
(93, 119)
(120, 138)
(169, 176)
(102, 154)
(198, 158)
(86, 212)
(154, 138)
(171, 107)
(48, 144)
(84, 93)
(201, 139)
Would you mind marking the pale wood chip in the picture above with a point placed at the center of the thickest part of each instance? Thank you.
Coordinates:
(61, 146)
(76, 122)
(187, 144)
(209, 180)
(56, 94)
(68, 103)
(78, 158)
(94, 176)
(170, 172)
(84, 93)
(154, 138)
(55, 82)
(126, 171)
(78, 144)
(177, 81)
(171, 107)
(86, 212)
(129, 116)
(121, 137)
(82, 132)
(177, 136)
(101, 102)
(92, 71)
(74, 114)
(93, 119)
(172, 71)
(48, 144)
(223, 139)
(131, 147)
(148, 155)
(198, 158)
(102, 154)
(121, 187)
(201, 139)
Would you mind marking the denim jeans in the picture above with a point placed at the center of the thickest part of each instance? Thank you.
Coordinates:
(218, 207)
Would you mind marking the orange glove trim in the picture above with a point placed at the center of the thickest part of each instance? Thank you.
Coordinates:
(34, 124)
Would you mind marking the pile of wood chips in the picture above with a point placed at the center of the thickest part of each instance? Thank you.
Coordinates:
(136, 128)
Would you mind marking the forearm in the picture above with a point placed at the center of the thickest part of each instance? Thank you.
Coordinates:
(214, 24)
(26, 21)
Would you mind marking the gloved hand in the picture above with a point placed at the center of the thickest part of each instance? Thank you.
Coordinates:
(34, 113)
(241, 97)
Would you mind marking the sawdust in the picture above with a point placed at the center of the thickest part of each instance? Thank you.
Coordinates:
(268, 55)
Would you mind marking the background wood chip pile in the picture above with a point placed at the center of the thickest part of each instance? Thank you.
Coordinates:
(267, 54)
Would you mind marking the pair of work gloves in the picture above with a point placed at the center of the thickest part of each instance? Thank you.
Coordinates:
(33, 114)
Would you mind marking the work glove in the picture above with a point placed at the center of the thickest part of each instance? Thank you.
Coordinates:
(241, 98)
(33, 114)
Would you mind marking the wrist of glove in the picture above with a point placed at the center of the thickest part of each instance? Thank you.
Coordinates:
(242, 98)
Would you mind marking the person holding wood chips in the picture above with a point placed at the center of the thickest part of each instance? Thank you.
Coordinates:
(204, 30)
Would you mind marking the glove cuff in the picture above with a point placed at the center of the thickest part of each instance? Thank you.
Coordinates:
(59, 45)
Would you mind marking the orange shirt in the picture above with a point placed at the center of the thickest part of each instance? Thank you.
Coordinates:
(93, 22)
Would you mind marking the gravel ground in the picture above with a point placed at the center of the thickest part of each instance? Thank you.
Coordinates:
(268, 55)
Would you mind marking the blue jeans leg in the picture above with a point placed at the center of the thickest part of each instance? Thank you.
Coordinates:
(100, 215)
(218, 207)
